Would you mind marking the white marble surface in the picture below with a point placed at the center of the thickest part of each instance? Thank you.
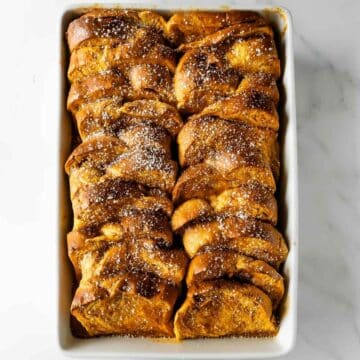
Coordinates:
(327, 53)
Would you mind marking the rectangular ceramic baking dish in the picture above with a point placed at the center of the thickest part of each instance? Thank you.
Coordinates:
(228, 348)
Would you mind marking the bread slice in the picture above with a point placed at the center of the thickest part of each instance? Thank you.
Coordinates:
(250, 201)
(189, 211)
(248, 237)
(261, 86)
(142, 135)
(210, 138)
(217, 175)
(128, 223)
(189, 26)
(100, 202)
(142, 81)
(152, 82)
(146, 165)
(154, 112)
(126, 255)
(108, 116)
(220, 264)
(113, 24)
(253, 106)
(130, 304)
(99, 55)
(224, 308)
(201, 78)
(99, 86)
(107, 157)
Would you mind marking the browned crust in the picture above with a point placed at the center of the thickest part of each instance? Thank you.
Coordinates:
(203, 180)
(112, 23)
(109, 116)
(215, 66)
(228, 264)
(185, 27)
(236, 144)
(225, 308)
(114, 257)
(132, 304)
(248, 237)
(251, 201)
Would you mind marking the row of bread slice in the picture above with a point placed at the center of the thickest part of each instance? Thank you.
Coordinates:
(229, 154)
(122, 248)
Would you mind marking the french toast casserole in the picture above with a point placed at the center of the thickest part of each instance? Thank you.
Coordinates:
(173, 174)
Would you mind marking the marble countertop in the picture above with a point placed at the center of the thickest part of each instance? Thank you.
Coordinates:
(327, 61)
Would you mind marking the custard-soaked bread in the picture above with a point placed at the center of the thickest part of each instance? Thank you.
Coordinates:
(103, 54)
(224, 308)
(112, 85)
(207, 138)
(114, 24)
(129, 224)
(185, 27)
(189, 211)
(251, 201)
(143, 81)
(248, 237)
(251, 106)
(152, 82)
(126, 255)
(130, 304)
(229, 264)
(214, 67)
(147, 165)
(218, 175)
(100, 201)
(154, 112)
(108, 116)
(107, 157)
(141, 135)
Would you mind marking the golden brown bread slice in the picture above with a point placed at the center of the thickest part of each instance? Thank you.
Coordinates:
(154, 112)
(248, 237)
(106, 200)
(152, 82)
(107, 157)
(210, 139)
(124, 255)
(189, 211)
(125, 304)
(189, 26)
(109, 116)
(205, 179)
(143, 81)
(147, 165)
(114, 23)
(258, 83)
(213, 67)
(141, 135)
(251, 201)
(201, 78)
(99, 55)
(228, 264)
(250, 106)
(108, 85)
(87, 163)
(224, 308)
(127, 224)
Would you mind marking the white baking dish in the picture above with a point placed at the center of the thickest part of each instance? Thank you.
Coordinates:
(236, 348)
